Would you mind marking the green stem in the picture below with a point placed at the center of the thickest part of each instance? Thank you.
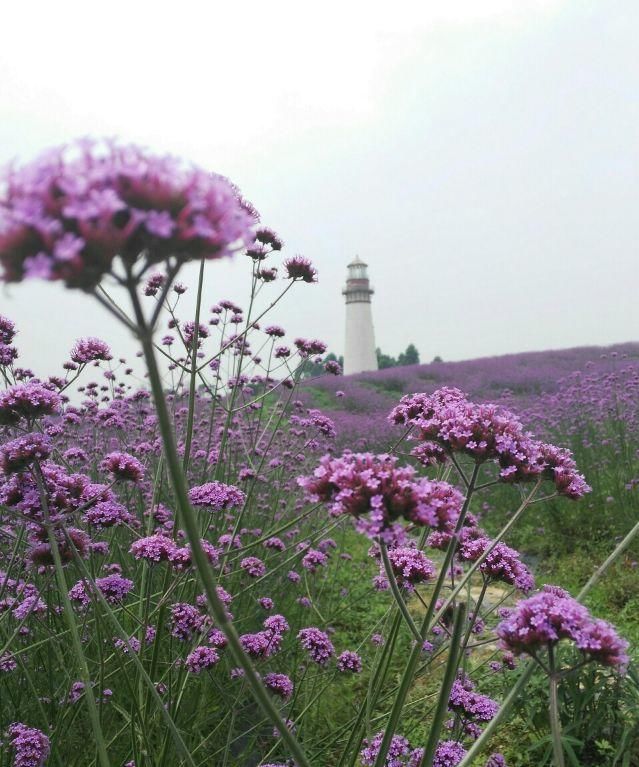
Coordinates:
(596, 576)
(447, 684)
(69, 615)
(555, 721)
(194, 341)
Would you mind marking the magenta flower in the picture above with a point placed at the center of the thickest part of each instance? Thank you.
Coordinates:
(68, 214)
(123, 466)
(317, 644)
(552, 615)
(279, 684)
(349, 662)
(299, 268)
(90, 350)
(201, 658)
(216, 496)
(20, 453)
(28, 400)
(363, 483)
(400, 752)
(154, 548)
(410, 566)
(30, 746)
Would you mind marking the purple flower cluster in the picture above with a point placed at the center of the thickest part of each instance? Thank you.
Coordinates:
(446, 420)
(123, 466)
(449, 753)
(201, 658)
(18, 454)
(29, 401)
(410, 566)
(400, 752)
(319, 647)
(552, 615)
(90, 350)
(471, 706)
(279, 684)
(68, 214)
(30, 746)
(363, 483)
(216, 496)
(349, 662)
(502, 564)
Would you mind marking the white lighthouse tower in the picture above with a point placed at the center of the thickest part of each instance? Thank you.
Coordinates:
(359, 354)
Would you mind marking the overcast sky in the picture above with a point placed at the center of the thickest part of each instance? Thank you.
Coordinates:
(480, 155)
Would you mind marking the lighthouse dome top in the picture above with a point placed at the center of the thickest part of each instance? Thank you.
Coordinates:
(357, 270)
(357, 261)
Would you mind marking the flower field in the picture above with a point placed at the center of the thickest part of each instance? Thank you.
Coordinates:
(222, 563)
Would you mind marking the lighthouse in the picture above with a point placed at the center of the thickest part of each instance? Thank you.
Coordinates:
(359, 353)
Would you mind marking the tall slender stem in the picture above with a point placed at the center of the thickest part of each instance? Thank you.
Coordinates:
(194, 344)
(555, 721)
(596, 576)
(67, 609)
(447, 684)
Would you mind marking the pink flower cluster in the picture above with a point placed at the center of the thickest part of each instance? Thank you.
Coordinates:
(319, 647)
(31, 747)
(410, 566)
(90, 350)
(363, 483)
(216, 496)
(68, 214)
(400, 752)
(552, 615)
(27, 401)
(20, 453)
(447, 422)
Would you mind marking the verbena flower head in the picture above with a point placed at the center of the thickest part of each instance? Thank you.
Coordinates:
(201, 658)
(279, 684)
(27, 401)
(410, 566)
(449, 753)
(400, 752)
(123, 466)
(300, 268)
(317, 644)
(30, 746)
(349, 662)
(18, 454)
(7, 330)
(153, 548)
(216, 496)
(552, 615)
(446, 422)
(363, 483)
(69, 213)
(502, 564)
(90, 350)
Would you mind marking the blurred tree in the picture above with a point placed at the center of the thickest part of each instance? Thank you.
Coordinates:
(384, 361)
(409, 357)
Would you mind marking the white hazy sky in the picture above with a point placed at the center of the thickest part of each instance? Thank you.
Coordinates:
(480, 155)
